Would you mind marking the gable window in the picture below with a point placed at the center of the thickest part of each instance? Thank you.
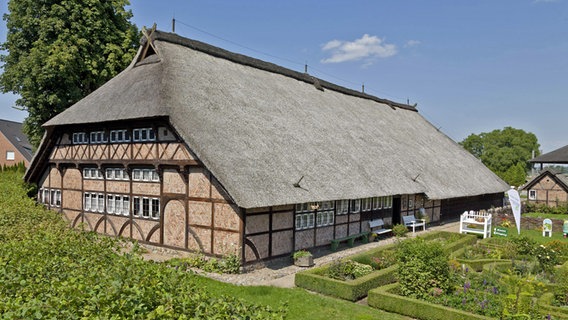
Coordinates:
(119, 136)
(143, 134)
(80, 137)
(145, 175)
(98, 137)
(10, 155)
(532, 194)
(116, 174)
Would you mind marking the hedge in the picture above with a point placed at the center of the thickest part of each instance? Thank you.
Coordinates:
(315, 280)
(545, 306)
(383, 298)
(353, 290)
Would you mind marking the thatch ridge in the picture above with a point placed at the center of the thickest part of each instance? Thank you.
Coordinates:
(270, 67)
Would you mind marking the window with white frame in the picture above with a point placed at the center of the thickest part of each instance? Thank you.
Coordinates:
(302, 207)
(143, 134)
(532, 194)
(118, 204)
(116, 174)
(366, 204)
(55, 199)
(377, 203)
(387, 202)
(145, 175)
(92, 173)
(80, 138)
(146, 207)
(98, 137)
(342, 206)
(10, 155)
(304, 221)
(326, 205)
(324, 218)
(93, 202)
(355, 205)
(119, 136)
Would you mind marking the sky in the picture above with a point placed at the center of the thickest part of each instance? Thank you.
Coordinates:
(470, 66)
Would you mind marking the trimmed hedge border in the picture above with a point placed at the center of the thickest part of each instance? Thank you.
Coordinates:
(315, 279)
(382, 298)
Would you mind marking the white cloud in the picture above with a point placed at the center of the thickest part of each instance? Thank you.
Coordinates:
(367, 47)
(411, 43)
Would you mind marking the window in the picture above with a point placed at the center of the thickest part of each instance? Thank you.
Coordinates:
(143, 134)
(304, 221)
(377, 203)
(101, 198)
(342, 206)
(324, 218)
(125, 205)
(80, 137)
(145, 175)
(87, 202)
(155, 209)
(532, 194)
(327, 205)
(10, 155)
(116, 174)
(366, 204)
(98, 137)
(355, 206)
(111, 203)
(92, 173)
(136, 206)
(119, 136)
(302, 207)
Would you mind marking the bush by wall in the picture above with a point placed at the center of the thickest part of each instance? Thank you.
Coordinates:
(384, 298)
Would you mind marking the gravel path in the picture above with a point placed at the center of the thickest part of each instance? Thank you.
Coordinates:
(280, 272)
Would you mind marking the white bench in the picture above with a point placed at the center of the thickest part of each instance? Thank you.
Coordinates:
(377, 227)
(476, 222)
(411, 221)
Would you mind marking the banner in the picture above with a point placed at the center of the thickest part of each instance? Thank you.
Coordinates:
(515, 201)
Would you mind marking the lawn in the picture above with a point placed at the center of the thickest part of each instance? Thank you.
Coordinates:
(50, 271)
(545, 215)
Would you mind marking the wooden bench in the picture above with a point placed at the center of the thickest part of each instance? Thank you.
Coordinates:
(411, 221)
(350, 240)
(377, 227)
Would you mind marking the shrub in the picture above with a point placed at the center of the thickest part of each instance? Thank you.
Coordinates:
(399, 230)
(301, 253)
(422, 266)
(348, 270)
(524, 245)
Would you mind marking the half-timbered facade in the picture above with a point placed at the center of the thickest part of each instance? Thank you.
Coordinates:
(196, 148)
(549, 188)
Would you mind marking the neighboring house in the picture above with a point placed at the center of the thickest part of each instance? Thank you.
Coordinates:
(14, 145)
(549, 188)
(196, 148)
(558, 156)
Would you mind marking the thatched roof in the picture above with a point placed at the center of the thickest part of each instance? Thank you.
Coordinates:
(559, 156)
(259, 128)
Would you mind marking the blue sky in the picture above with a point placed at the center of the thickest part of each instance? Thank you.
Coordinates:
(471, 66)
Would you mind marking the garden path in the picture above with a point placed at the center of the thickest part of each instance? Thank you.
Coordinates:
(281, 272)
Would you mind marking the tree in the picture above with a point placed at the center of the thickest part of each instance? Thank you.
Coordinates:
(506, 152)
(60, 51)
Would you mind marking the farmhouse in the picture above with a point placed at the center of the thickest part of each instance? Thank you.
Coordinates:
(549, 188)
(196, 148)
(14, 145)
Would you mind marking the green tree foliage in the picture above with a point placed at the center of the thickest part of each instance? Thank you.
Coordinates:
(60, 51)
(506, 152)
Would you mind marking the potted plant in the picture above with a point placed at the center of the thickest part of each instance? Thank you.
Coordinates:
(303, 258)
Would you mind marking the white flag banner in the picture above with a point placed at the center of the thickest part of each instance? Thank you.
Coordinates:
(515, 201)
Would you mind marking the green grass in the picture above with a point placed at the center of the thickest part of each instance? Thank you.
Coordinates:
(301, 304)
(545, 215)
(536, 235)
